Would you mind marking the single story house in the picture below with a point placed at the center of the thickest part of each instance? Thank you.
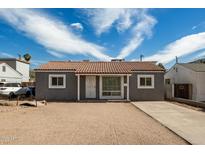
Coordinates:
(14, 70)
(186, 80)
(81, 80)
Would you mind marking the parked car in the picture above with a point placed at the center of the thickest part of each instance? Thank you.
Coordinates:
(33, 89)
(9, 89)
(24, 91)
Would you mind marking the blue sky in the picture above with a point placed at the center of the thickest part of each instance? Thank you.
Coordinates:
(103, 34)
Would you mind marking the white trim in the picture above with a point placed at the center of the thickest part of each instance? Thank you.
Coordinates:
(173, 90)
(122, 87)
(10, 77)
(112, 97)
(78, 87)
(55, 71)
(150, 71)
(50, 86)
(95, 73)
(145, 76)
(128, 88)
(105, 74)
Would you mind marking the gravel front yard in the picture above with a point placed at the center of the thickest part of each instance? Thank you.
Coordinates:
(83, 123)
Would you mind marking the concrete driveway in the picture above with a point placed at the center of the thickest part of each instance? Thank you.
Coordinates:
(83, 123)
(187, 123)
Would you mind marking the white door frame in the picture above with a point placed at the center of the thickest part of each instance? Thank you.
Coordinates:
(111, 97)
(87, 88)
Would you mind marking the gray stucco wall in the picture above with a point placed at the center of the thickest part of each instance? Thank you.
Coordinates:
(66, 94)
(155, 94)
(70, 92)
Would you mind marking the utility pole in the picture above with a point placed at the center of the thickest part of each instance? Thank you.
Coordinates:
(176, 59)
(141, 56)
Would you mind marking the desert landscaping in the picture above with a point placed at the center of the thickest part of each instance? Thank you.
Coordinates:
(82, 123)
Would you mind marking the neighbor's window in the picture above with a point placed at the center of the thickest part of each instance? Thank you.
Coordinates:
(167, 81)
(3, 68)
(145, 81)
(57, 81)
(3, 80)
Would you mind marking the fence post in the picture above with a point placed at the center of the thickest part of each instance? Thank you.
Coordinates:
(17, 103)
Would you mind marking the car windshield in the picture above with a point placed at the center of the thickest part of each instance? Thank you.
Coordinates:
(1, 84)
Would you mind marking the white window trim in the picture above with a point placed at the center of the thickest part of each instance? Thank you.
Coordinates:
(145, 76)
(112, 97)
(57, 75)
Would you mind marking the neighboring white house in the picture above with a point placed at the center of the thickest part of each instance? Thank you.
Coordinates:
(190, 74)
(14, 70)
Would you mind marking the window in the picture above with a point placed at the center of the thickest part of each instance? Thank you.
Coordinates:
(57, 81)
(12, 85)
(145, 81)
(3, 68)
(167, 81)
(111, 86)
(15, 85)
(3, 80)
(1, 84)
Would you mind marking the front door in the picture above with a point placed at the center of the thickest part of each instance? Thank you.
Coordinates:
(90, 85)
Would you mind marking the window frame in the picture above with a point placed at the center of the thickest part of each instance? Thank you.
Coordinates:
(166, 81)
(111, 97)
(3, 68)
(146, 86)
(58, 86)
(112, 91)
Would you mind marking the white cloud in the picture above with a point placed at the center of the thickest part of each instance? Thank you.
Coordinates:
(6, 55)
(138, 20)
(37, 62)
(200, 55)
(55, 53)
(199, 25)
(51, 33)
(125, 21)
(103, 19)
(130, 47)
(141, 30)
(77, 26)
(181, 47)
(194, 27)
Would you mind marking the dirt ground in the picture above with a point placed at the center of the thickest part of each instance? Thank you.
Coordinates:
(83, 123)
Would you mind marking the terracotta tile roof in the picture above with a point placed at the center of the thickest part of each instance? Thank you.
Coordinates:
(100, 67)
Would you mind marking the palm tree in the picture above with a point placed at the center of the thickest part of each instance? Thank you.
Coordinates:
(27, 57)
